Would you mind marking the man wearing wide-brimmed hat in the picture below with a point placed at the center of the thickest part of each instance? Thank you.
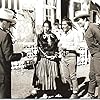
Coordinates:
(6, 52)
(92, 37)
(81, 14)
(8, 16)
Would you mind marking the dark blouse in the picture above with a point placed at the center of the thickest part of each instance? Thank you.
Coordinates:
(45, 46)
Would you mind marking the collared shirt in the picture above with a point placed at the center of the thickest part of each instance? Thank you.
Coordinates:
(69, 40)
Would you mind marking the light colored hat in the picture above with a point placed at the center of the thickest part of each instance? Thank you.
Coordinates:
(81, 14)
(7, 15)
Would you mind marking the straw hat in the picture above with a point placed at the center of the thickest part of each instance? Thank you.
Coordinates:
(81, 14)
(7, 15)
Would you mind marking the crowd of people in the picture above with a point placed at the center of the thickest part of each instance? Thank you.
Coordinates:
(65, 46)
(56, 56)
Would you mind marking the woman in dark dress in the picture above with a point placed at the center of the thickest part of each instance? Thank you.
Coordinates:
(46, 68)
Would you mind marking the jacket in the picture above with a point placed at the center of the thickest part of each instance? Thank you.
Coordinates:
(92, 37)
(6, 55)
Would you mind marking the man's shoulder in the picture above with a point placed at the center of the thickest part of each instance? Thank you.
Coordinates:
(3, 33)
(93, 25)
(93, 28)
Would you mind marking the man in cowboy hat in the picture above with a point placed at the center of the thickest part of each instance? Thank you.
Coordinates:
(6, 53)
(81, 14)
(92, 37)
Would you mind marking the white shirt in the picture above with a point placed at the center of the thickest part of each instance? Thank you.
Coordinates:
(69, 40)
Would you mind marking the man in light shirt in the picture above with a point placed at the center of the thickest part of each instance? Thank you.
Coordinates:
(68, 46)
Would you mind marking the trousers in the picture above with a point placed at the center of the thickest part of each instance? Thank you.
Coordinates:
(96, 60)
(68, 70)
(92, 77)
(5, 87)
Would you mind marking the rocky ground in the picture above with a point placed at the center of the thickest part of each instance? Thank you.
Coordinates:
(22, 80)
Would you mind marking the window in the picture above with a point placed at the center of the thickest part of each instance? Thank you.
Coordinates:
(54, 2)
(17, 4)
(48, 2)
(77, 7)
(54, 13)
(48, 14)
(0, 3)
(12, 4)
(50, 10)
(6, 3)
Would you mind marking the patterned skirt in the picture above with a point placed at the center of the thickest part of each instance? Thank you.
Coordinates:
(46, 72)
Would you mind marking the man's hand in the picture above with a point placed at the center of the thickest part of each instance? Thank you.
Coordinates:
(51, 57)
(23, 54)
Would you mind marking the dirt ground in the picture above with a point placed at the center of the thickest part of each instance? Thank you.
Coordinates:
(21, 83)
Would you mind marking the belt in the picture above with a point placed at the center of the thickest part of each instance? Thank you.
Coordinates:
(71, 51)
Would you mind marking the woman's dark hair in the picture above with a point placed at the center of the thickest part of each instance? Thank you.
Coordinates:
(69, 22)
(49, 23)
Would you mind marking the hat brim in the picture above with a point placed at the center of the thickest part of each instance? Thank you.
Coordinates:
(81, 16)
(9, 20)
